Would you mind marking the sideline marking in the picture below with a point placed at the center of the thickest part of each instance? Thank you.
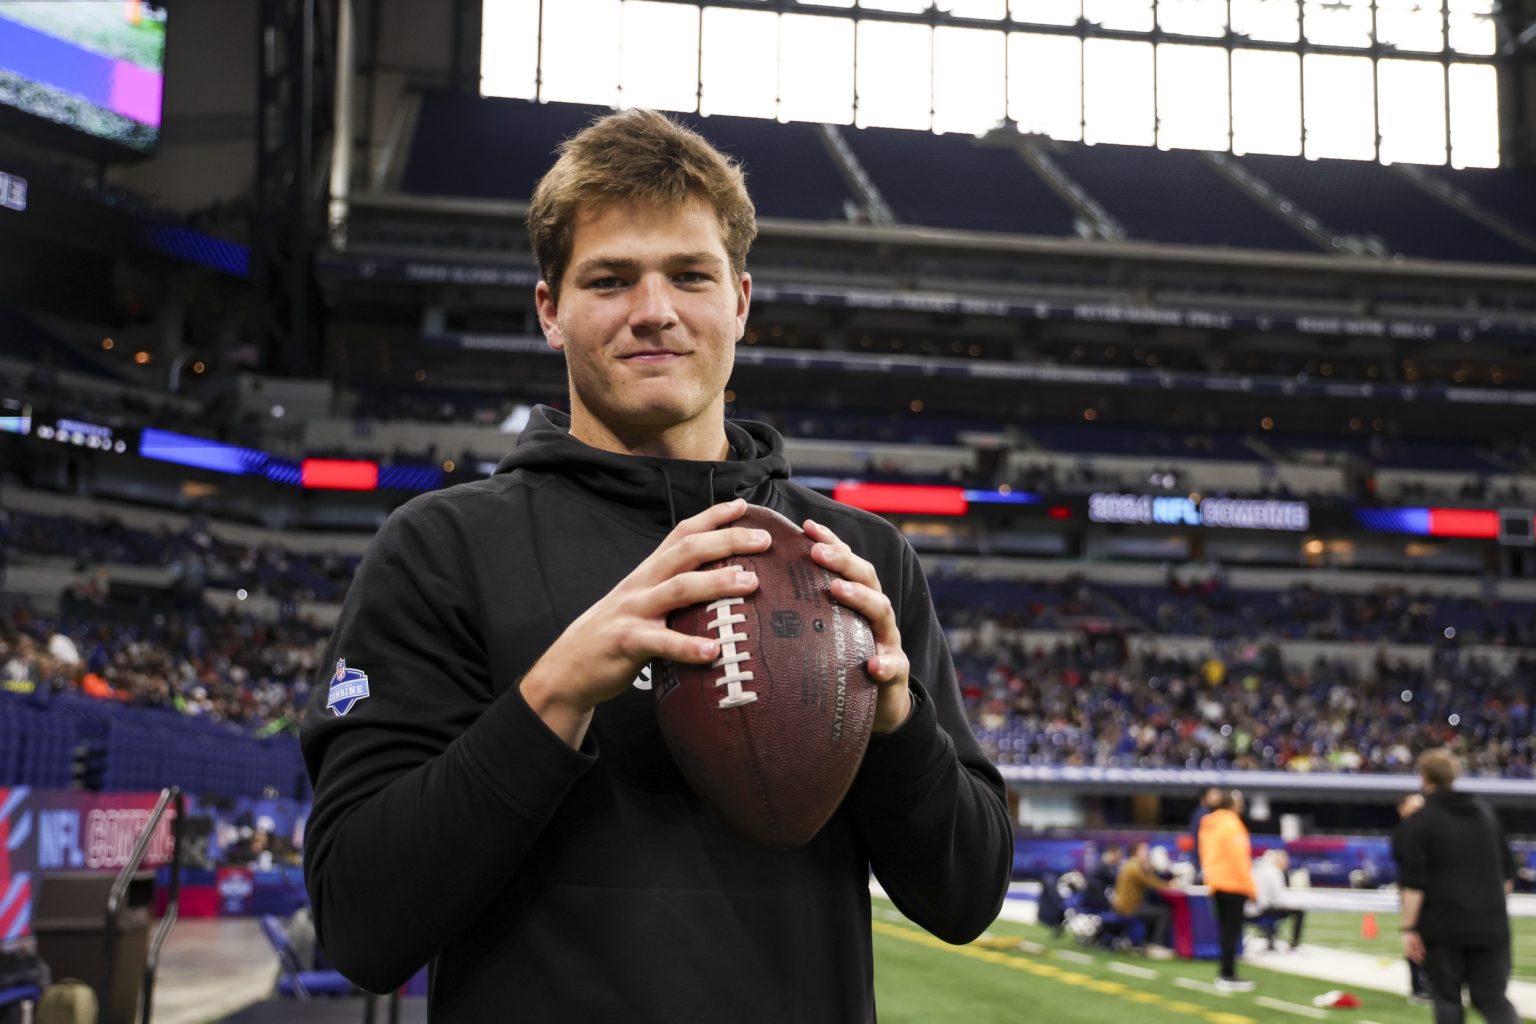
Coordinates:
(1200, 986)
(1134, 971)
(1296, 1008)
(1072, 956)
(1062, 974)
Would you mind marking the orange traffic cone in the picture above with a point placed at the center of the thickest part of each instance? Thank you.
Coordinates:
(1368, 929)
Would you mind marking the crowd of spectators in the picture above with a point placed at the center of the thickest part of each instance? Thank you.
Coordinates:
(1209, 608)
(1100, 704)
(234, 669)
(196, 557)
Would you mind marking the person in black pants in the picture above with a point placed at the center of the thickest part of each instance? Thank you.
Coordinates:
(1457, 871)
(1418, 986)
(1226, 853)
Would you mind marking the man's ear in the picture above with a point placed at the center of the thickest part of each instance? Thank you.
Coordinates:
(549, 316)
(743, 304)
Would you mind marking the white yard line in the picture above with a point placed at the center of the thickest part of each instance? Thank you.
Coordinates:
(1296, 1008)
(1131, 969)
(1199, 986)
(1073, 957)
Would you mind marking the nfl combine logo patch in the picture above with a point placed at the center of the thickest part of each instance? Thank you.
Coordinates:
(348, 686)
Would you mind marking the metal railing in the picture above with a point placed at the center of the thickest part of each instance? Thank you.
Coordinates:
(119, 890)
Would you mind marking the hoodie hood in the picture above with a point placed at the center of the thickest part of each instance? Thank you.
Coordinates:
(658, 492)
(1460, 804)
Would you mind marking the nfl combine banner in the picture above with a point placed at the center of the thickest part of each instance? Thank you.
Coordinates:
(61, 830)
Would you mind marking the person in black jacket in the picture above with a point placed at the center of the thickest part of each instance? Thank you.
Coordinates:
(1456, 870)
(1418, 987)
(492, 794)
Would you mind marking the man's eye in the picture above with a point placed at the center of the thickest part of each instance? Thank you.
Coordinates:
(692, 277)
(606, 282)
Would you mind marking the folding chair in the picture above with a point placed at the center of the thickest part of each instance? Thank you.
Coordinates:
(297, 983)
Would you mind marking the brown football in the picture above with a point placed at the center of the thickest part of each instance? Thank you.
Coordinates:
(773, 732)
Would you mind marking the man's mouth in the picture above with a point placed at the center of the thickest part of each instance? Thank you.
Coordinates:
(651, 356)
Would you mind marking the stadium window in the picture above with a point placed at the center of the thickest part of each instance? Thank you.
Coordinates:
(1474, 115)
(968, 80)
(1411, 24)
(1045, 85)
(900, 6)
(825, 3)
(1193, 17)
(1472, 28)
(1124, 15)
(580, 56)
(1117, 96)
(1266, 102)
(1411, 111)
(739, 63)
(1270, 21)
(895, 69)
(1046, 12)
(509, 48)
(1191, 97)
(1337, 22)
(659, 62)
(815, 69)
(1340, 113)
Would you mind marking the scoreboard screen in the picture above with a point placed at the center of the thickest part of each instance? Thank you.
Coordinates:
(94, 66)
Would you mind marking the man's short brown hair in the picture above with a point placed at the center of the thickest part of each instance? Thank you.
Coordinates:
(1439, 767)
(636, 156)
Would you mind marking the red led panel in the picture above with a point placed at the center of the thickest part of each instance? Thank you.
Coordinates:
(1463, 522)
(341, 474)
(915, 499)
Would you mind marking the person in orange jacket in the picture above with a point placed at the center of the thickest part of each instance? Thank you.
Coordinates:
(1226, 858)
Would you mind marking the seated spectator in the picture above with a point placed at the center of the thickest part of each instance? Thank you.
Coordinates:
(1100, 879)
(1270, 903)
(1136, 896)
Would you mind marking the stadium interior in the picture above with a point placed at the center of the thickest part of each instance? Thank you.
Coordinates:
(1219, 449)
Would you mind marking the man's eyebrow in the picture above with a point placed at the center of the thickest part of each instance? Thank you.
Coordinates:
(629, 265)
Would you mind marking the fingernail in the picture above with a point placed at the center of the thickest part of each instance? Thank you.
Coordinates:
(744, 579)
(706, 648)
(760, 536)
(822, 549)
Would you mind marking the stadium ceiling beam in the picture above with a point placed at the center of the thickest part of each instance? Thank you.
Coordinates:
(1083, 29)
(917, 238)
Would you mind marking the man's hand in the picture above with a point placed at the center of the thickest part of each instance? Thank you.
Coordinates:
(1413, 947)
(859, 589)
(599, 655)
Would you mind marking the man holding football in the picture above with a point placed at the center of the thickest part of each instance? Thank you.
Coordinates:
(493, 795)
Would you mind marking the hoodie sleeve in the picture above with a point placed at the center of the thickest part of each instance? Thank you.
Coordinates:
(427, 777)
(929, 804)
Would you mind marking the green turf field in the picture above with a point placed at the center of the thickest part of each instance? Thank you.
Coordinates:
(1343, 931)
(922, 980)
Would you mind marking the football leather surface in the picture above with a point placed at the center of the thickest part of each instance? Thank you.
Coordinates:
(772, 733)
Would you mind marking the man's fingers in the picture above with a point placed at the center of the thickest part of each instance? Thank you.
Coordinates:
(831, 553)
(700, 587)
(711, 518)
(660, 642)
(870, 603)
(689, 552)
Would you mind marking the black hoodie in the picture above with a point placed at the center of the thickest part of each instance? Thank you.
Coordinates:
(1454, 851)
(546, 883)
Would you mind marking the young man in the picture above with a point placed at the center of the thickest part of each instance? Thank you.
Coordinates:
(1418, 986)
(491, 791)
(1456, 871)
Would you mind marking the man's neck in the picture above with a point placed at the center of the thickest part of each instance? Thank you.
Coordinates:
(694, 442)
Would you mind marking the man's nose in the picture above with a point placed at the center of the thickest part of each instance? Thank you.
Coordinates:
(651, 307)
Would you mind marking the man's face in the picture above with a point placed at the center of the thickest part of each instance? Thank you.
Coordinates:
(648, 319)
